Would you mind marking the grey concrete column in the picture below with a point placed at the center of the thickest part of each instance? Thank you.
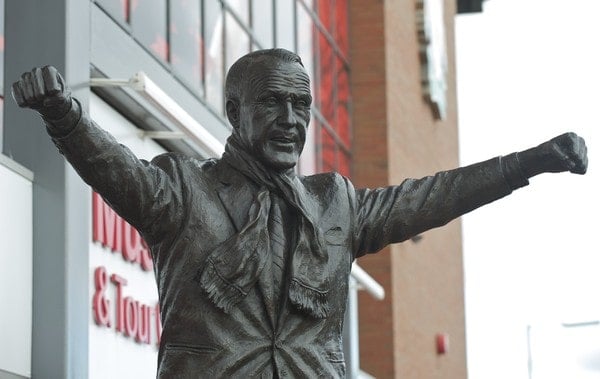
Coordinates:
(37, 33)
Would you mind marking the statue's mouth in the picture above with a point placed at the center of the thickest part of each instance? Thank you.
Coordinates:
(283, 138)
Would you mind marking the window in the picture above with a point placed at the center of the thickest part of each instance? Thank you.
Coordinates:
(185, 26)
(322, 41)
(152, 35)
(198, 40)
(262, 22)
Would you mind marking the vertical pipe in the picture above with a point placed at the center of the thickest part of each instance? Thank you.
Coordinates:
(351, 348)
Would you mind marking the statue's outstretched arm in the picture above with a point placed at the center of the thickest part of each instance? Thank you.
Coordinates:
(396, 213)
(140, 191)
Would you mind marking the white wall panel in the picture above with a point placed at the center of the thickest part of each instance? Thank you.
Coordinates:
(15, 271)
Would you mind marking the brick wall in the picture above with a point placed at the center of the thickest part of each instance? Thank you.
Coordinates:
(396, 136)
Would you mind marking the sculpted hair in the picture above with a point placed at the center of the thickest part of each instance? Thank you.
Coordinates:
(236, 75)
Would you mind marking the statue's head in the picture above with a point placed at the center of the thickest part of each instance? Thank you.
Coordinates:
(268, 102)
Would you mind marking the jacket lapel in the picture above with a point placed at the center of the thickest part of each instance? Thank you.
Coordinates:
(310, 203)
(237, 194)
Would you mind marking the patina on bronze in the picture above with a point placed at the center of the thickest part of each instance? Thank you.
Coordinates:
(251, 259)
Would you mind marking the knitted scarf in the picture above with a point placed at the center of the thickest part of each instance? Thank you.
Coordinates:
(234, 267)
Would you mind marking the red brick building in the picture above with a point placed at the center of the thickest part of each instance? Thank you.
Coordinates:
(398, 133)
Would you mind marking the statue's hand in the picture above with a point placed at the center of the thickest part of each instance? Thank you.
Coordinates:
(43, 90)
(566, 152)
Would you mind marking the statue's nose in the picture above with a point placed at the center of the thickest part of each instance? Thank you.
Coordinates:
(287, 116)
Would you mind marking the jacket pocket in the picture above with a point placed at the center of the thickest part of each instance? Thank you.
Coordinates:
(335, 236)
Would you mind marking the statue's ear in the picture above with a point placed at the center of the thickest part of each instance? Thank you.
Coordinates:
(232, 108)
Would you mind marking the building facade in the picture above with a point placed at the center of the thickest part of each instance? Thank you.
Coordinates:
(399, 133)
(151, 72)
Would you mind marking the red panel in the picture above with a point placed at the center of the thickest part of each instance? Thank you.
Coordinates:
(341, 27)
(328, 151)
(343, 100)
(326, 79)
(332, 87)
(343, 164)
(324, 10)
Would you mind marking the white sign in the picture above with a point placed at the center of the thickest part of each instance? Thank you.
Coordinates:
(124, 324)
(432, 37)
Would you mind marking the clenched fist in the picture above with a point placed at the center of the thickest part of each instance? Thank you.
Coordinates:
(43, 90)
(566, 152)
(570, 152)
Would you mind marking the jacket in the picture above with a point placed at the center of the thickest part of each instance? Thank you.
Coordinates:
(184, 207)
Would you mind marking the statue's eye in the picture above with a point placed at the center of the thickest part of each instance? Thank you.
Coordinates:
(271, 100)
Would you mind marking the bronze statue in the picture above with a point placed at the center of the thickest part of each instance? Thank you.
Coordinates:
(251, 259)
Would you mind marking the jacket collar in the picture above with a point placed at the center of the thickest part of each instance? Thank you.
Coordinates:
(235, 192)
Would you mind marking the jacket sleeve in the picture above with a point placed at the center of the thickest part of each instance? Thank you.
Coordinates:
(148, 195)
(397, 213)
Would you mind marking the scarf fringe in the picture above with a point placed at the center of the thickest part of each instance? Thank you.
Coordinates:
(223, 294)
(308, 300)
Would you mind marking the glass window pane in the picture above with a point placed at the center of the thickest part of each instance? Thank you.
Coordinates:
(237, 42)
(117, 9)
(309, 3)
(326, 80)
(341, 26)
(343, 103)
(149, 25)
(262, 22)
(186, 42)
(324, 10)
(305, 37)
(213, 37)
(328, 151)
(240, 8)
(285, 24)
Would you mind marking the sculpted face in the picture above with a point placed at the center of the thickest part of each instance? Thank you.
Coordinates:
(274, 112)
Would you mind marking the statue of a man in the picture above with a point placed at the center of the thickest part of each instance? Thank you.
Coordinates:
(251, 259)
